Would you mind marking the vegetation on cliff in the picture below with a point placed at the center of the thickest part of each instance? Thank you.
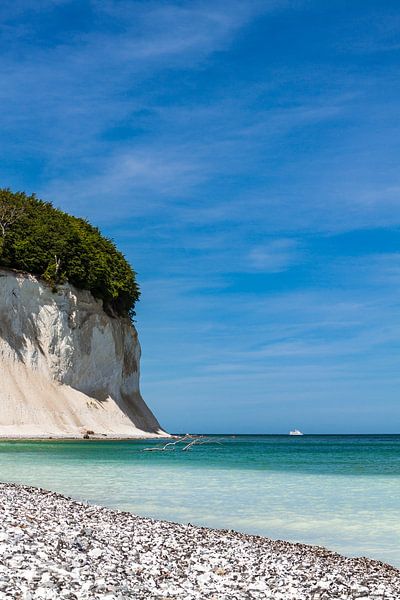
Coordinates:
(37, 238)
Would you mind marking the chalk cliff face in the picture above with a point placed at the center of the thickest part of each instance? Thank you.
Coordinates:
(66, 367)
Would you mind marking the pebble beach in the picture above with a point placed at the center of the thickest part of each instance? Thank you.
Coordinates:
(52, 547)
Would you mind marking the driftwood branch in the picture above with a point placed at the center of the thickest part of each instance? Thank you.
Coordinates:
(184, 443)
(170, 445)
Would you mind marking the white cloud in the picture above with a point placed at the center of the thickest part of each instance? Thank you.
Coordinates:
(275, 256)
(173, 30)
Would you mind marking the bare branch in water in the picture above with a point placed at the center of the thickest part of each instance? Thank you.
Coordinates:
(188, 440)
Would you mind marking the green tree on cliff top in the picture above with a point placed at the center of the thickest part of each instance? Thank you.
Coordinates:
(37, 238)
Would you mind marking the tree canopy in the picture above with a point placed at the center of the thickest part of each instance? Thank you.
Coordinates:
(42, 240)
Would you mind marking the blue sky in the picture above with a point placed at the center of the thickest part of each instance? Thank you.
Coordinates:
(245, 158)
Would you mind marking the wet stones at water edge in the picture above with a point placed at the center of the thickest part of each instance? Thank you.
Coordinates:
(54, 548)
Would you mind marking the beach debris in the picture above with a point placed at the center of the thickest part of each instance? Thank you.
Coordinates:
(184, 443)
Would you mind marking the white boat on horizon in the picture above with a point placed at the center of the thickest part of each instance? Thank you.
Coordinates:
(296, 432)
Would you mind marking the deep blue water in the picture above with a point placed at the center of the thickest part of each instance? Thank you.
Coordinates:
(339, 491)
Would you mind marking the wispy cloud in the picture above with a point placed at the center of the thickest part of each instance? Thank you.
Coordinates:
(175, 31)
(183, 149)
(275, 255)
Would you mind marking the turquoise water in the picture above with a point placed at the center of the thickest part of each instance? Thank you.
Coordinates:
(342, 492)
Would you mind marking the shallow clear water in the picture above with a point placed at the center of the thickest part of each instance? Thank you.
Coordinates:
(338, 491)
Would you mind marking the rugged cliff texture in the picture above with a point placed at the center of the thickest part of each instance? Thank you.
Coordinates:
(66, 367)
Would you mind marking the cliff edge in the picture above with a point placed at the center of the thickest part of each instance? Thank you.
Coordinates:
(67, 367)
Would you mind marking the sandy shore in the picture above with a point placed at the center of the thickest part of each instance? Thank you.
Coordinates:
(52, 547)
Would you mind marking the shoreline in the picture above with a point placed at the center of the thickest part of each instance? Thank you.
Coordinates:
(72, 438)
(55, 547)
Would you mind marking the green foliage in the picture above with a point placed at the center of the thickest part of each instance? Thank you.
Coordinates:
(58, 247)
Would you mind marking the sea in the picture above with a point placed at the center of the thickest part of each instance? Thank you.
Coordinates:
(338, 491)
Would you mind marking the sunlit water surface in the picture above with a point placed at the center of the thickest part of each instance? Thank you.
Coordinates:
(342, 492)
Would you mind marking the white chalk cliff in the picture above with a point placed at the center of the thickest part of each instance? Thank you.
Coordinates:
(67, 367)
